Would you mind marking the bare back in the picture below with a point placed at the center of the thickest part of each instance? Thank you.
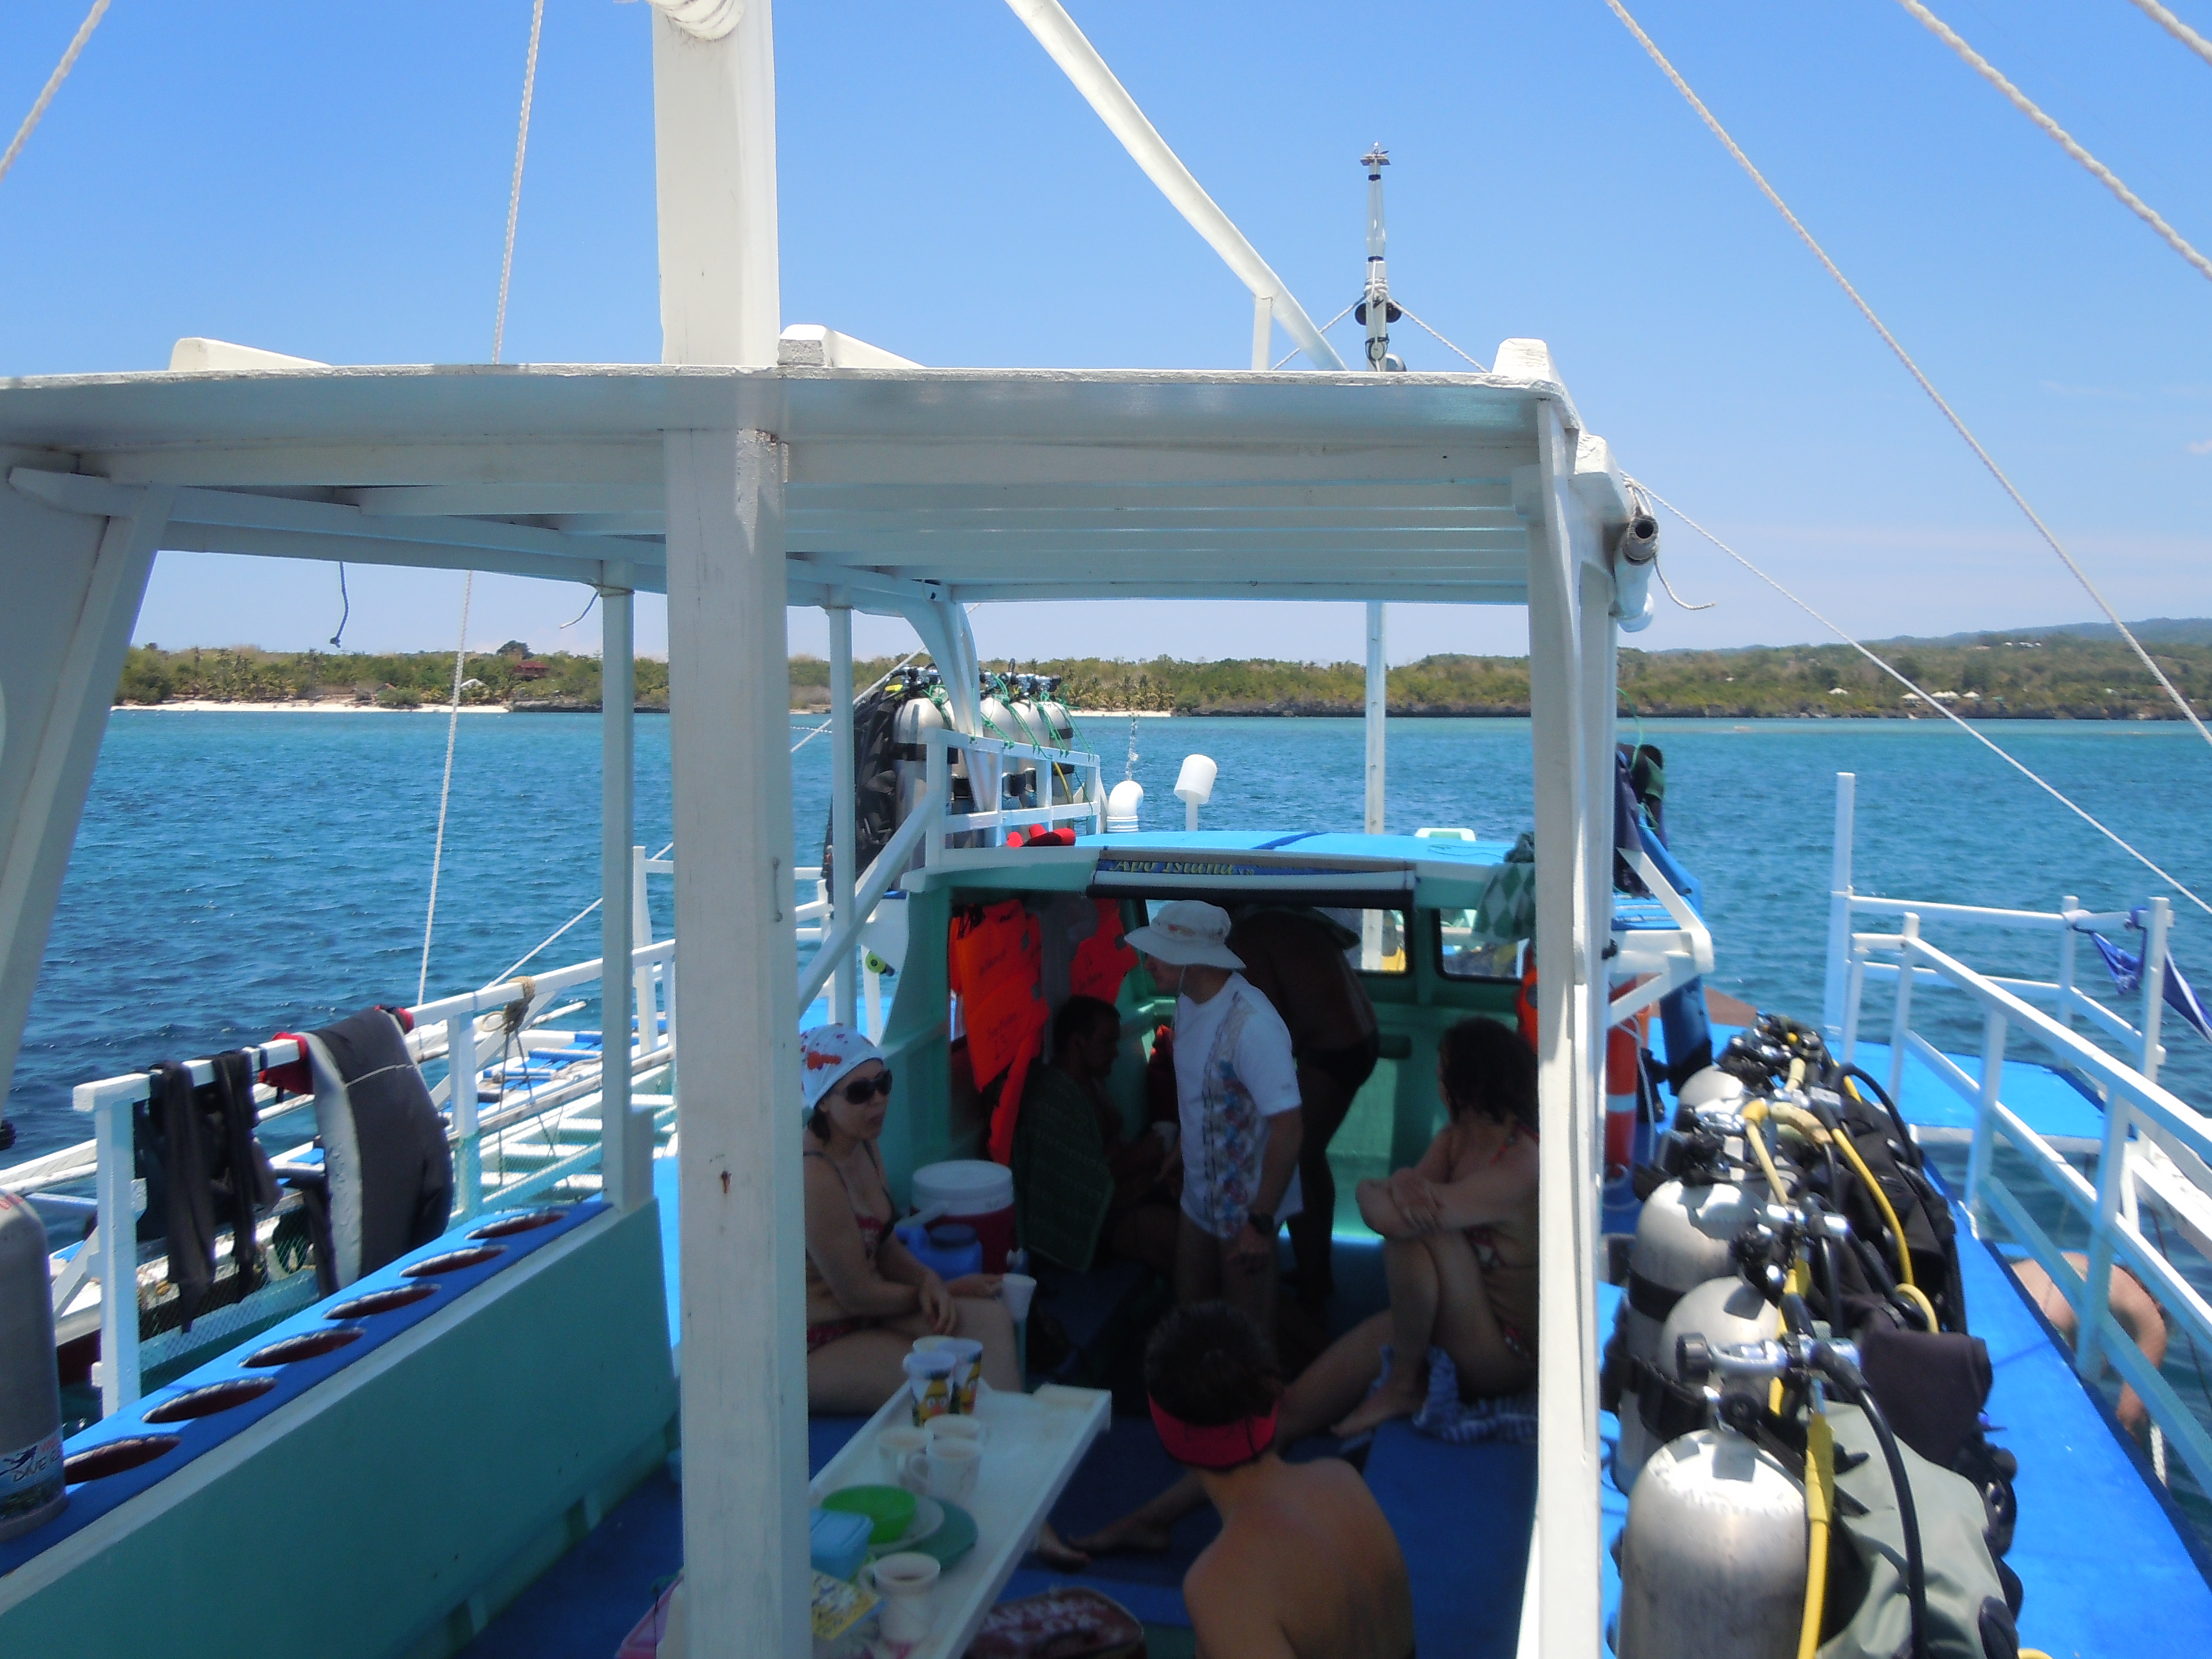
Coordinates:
(1306, 1567)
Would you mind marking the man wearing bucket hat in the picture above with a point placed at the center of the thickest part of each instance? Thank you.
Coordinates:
(1236, 1092)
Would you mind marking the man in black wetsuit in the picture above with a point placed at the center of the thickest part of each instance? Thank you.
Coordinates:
(1295, 958)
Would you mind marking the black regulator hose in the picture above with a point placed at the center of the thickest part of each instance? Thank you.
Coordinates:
(1856, 1074)
(1848, 1377)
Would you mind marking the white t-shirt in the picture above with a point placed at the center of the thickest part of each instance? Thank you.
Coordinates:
(1233, 1071)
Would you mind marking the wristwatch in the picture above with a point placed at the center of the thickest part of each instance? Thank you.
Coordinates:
(1265, 1223)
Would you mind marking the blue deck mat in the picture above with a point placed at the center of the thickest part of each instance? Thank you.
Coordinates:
(2046, 1099)
(1462, 1515)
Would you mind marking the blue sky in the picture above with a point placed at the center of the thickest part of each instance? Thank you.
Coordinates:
(331, 181)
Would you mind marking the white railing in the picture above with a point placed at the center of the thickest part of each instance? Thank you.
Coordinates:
(449, 1025)
(2152, 1139)
(985, 761)
(938, 833)
(1661, 960)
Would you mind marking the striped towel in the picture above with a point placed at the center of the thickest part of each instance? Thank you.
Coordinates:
(1444, 1416)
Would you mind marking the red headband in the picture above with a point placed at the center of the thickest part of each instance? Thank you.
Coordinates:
(1216, 1446)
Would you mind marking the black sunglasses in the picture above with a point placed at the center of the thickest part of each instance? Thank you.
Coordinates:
(862, 1090)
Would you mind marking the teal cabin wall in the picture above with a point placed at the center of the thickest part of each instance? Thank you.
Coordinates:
(390, 1510)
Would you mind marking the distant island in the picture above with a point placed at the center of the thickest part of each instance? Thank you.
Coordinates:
(2050, 673)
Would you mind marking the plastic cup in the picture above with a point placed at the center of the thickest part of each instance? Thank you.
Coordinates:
(1015, 1290)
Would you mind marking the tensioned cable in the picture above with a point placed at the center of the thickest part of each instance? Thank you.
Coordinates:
(1323, 329)
(444, 789)
(1404, 311)
(857, 695)
(530, 955)
(514, 189)
(1965, 725)
(2174, 26)
(1905, 357)
(54, 85)
(2020, 101)
(468, 586)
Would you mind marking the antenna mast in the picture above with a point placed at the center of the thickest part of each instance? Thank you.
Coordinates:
(1376, 310)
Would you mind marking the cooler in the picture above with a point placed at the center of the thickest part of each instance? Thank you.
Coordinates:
(978, 1193)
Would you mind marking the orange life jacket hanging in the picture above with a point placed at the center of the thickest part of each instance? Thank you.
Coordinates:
(1103, 961)
(995, 966)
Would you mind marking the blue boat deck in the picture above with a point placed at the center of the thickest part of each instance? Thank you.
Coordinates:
(2110, 1567)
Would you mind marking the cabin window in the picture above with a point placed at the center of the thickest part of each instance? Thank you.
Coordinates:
(1382, 936)
(1464, 951)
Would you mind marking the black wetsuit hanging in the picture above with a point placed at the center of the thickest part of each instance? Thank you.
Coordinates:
(387, 1181)
(203, 1167)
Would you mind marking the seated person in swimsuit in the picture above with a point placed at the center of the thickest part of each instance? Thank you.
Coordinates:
(1467, 1284)
(1305, 1563)
(1459, 1231)
(867, 1299)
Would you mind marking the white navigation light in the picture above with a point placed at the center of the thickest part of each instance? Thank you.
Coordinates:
(1195, 785)
(1123, 803)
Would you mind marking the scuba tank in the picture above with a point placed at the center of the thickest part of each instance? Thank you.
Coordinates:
(1029, 726)
(1712, 1561)
(1059, 734)
(32, 1491)
(1656, 1405)
(997, 715)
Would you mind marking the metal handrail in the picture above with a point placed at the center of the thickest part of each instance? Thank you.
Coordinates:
(2133, 1100)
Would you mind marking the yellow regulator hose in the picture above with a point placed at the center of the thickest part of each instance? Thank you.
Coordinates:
(1754, 1112)
(1819, 1508)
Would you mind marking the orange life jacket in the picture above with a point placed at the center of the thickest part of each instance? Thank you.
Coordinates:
(995, 966)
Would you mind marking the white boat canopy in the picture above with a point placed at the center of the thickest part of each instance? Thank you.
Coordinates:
(900, 490)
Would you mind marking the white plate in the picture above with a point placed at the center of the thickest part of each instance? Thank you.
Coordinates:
(928, 1517)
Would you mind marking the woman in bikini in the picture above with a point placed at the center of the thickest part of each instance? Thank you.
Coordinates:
(867, 1299)
(1459, 1231)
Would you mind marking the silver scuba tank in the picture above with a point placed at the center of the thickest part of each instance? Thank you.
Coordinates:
(916, 717)
(1725, 1311)
(1059, 733)
(1712, 1560)
(31, 1489)
(1681, 1241)
(1029, 726)
(1710, 1087)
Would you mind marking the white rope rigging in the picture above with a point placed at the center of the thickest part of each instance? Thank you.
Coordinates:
(444, 789)
(54, 85)
(2020, 101)
(469, 585)
(2174, 26)
(501, 978)
(879, 680)
(514, 191)
(1407, 312)
(1323, 329)
(1965, 725)
(1904, 357)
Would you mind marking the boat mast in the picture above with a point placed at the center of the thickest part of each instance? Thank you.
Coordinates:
(1376, 309)
(1377, 313)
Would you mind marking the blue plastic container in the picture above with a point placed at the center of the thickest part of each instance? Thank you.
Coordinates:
(837, 1543)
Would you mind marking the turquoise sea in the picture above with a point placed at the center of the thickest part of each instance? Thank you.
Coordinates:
(242, 874)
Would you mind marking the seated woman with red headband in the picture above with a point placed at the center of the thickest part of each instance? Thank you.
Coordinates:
(867, 1299)
(1305, 1562)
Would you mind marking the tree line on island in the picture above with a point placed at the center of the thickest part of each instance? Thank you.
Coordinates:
(2083, 673)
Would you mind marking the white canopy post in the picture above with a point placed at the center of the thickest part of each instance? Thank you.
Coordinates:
(844, 848)
(74, 584)
(742, 1216)
(1565, 1597)
(714, 112)
(1378, 701)
(625, 1155)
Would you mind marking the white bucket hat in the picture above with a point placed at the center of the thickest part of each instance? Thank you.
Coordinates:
(1189, 932)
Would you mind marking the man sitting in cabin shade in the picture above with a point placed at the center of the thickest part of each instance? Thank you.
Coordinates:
(1305, 1563)
(1236, 1092)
